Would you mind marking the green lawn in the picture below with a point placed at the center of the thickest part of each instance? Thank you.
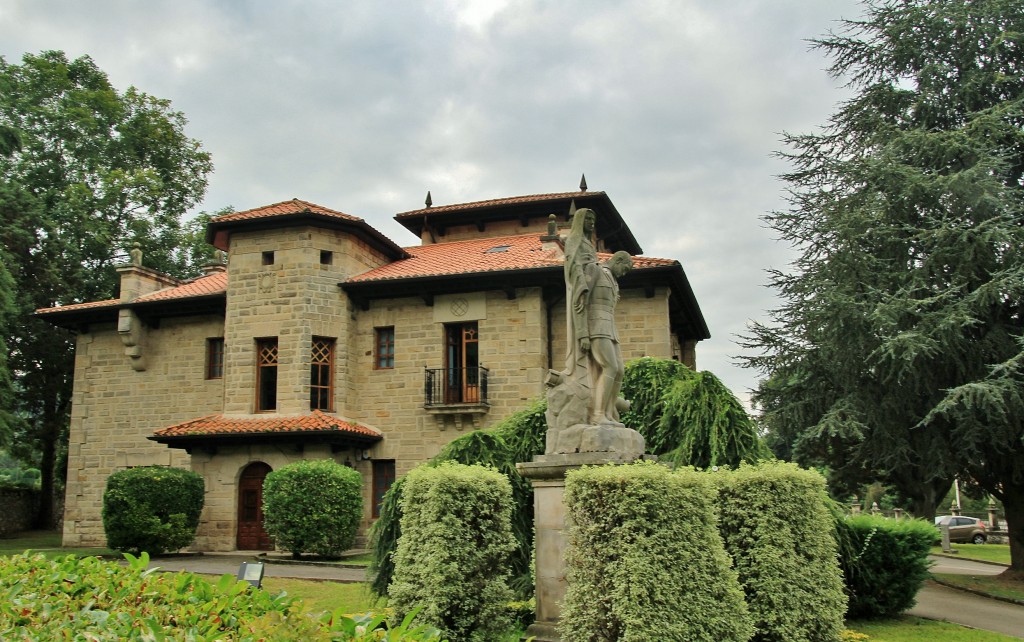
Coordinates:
(914, 629)
(47, 543)
(999, 553)
(988, 584)
(327, 596)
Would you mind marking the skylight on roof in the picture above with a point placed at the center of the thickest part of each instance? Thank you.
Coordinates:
(497, 248)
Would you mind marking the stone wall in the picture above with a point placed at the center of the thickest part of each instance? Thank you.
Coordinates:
(116, 407)
(17, 509)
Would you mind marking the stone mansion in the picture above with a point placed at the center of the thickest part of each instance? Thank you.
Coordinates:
(319, 337)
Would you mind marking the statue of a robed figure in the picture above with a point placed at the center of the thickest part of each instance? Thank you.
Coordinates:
(583, 399)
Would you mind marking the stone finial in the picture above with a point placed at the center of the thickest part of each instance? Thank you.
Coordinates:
(429, 200)
(583, 182)
(875, 509)
(136, 253)
(219, 256)
(552, 225)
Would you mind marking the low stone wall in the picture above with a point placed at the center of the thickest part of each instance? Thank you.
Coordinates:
(17, 509)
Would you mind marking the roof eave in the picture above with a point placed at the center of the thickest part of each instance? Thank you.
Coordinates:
(334, 437)
(218, 233)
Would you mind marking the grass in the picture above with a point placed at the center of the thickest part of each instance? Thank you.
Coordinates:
(907, 628)
(989, 584)
(999, 553)
(48, 543)
(327, 596)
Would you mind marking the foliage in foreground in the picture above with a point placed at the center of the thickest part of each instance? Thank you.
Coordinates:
(452, 557)
(90, 599)
(884, 562)
(152, 508)
(313, 506)
(645, 560)
(775, 524)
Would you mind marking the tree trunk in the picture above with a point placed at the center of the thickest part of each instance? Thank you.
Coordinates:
(1013, 504)
(48, 445)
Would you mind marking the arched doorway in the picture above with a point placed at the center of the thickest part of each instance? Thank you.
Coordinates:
(251, 536)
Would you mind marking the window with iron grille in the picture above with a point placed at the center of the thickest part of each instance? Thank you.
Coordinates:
(266, 375)
(384, 353)
(321, 365)
(215, 358)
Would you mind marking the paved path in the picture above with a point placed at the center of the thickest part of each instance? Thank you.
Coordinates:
(214, 564)
(937, 602)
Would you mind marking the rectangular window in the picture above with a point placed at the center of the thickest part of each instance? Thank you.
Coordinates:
(266, 375)
(268, 258)
(215, 358)
(326, 257)
(321, 365)
(384, 352)
(383, 477)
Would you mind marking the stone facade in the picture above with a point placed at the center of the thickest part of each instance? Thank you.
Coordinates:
(141, 365)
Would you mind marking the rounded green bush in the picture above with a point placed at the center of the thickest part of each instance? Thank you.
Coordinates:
(645, 560)
(452, 559)
(776, 525)
(885, 562)
(152, 508)
(313, 506)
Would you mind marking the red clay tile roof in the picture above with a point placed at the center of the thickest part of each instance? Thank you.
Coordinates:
(314, 422)
(497, 202)
(211, 284)
(294, 206)
(476, 256)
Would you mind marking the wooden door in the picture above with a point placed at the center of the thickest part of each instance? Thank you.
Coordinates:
(251, 536)
(462, 383)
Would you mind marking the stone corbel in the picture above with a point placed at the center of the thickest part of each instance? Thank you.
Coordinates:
(132, 333)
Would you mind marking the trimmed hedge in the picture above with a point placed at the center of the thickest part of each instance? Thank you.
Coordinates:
(453, 554)
(645, 560)
(71, 598)
(884, 561)
(152, 508)
(776, 526)
(313, 506)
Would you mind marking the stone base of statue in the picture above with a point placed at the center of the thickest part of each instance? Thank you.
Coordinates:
(547, 474)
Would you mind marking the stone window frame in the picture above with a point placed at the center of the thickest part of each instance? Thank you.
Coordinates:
(215, 358)
(384, 348)
(267, 363)
(321, 374)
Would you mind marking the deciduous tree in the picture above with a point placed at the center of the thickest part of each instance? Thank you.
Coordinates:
(896, 352)
(88, 170)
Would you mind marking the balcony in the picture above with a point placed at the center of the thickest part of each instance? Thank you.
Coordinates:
(456, 394)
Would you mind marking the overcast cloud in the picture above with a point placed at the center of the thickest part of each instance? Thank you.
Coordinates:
(672, 107)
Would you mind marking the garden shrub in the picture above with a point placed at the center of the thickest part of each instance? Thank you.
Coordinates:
(452, 556)
(645, 560)
(516, 438)
(775, 524)
(313, 506)
(884, 562)
(71, 598)
(152, 508)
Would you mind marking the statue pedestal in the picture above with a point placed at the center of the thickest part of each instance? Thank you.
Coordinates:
(547, 474)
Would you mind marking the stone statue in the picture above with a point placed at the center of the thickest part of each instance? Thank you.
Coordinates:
(583, 399)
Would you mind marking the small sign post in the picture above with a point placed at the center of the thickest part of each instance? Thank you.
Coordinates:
(251, 572)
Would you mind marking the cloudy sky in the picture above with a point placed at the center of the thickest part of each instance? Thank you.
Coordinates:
(672, 107)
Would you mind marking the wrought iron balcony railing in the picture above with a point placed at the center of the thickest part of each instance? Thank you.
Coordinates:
(453, 386)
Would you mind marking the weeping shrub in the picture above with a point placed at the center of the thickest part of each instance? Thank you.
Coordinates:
(778, 530)
(709, 424)
(313, 506)
(645, 560)
(884, 562)
(452, 556)
(152, 508)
